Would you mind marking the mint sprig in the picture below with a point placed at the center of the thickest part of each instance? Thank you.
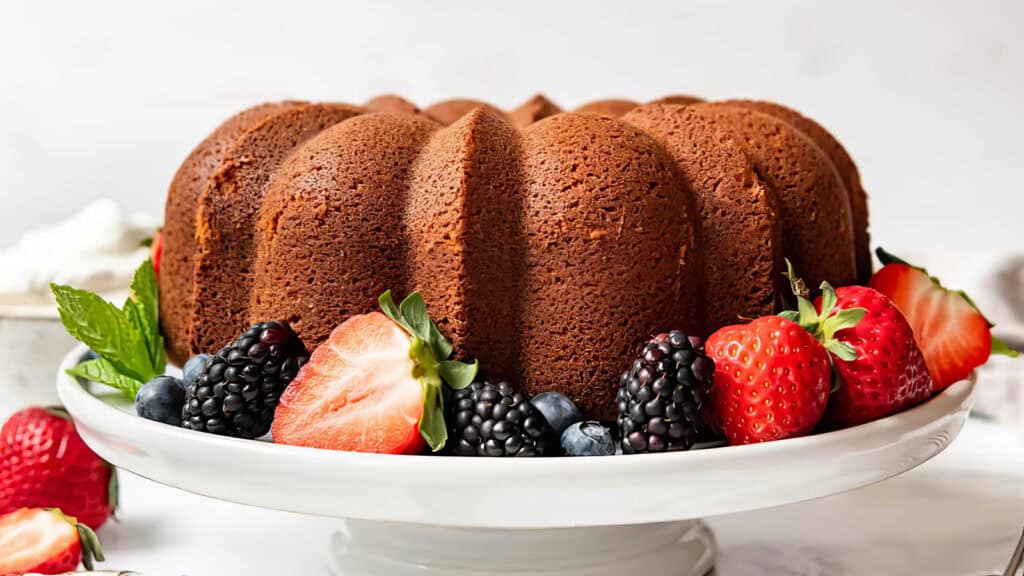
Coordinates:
(431, 351)
(127, 339)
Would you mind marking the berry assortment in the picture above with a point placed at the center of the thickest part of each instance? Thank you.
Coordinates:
(386, 381)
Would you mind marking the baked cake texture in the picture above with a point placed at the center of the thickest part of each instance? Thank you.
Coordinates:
(545, 243)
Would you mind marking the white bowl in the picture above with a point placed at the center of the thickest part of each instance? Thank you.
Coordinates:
(32, 343)
(512, 505)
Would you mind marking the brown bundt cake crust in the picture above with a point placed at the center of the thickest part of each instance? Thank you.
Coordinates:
(681, 99)
(534, 109)
(547, 252)
(447, 112)
(331, 230)
(843, 163)
(227, 219)
(393, 104)
(612, 107)
(176, 269)
(461, 219)
(740, 231)
(817, 225)
(611, 255)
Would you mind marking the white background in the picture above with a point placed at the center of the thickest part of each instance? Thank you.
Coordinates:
(106, 99)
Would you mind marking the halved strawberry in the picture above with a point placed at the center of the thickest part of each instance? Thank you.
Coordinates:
(45, 541)
(374, 385)
(953, 334)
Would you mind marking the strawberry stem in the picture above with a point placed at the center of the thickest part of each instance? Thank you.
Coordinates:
(825, 324)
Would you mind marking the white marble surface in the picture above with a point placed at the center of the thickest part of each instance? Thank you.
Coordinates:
(956, 515)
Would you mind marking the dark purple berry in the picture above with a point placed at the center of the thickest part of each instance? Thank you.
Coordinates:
(661, 397)
(237, 389)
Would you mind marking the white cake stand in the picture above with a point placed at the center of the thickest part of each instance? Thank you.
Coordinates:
(432, 515)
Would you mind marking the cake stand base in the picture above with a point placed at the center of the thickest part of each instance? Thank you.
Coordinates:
(371, 548)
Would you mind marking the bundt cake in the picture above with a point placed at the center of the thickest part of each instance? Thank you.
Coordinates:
(546, 244)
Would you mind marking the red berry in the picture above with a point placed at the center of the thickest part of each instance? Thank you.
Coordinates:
(889, 373)
(954, 336)
(42, 541)
(156, 250)
(772, 380)
(45, 464)
(359, 392)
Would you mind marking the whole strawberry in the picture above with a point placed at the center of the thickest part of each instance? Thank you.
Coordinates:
(772, 380)
(45, 464)
(886, 372)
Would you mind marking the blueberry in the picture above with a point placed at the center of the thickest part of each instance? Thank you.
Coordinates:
(588, 439)
(161, 399)
(193, 367)
(558, 410)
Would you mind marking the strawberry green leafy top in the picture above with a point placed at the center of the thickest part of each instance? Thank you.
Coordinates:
(431, 351)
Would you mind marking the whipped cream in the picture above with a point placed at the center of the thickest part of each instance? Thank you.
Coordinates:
(97, 249)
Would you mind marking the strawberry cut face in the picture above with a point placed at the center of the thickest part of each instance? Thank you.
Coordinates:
(953, 335)
(34, 540)
(360, 391)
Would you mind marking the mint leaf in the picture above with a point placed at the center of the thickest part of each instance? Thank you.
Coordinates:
(102, 371)
(457, 375)
(105, 329)
(388, 307)
(145, 300)
(414, 311)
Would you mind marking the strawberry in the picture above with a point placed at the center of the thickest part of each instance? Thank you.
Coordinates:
(45, 463)
(374, 385)
(879, 368)
(954, 336)
(772, 380)
(45, 541)
(156, 250)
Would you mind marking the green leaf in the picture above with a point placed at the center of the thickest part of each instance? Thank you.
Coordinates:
(842, 350)
(1003, 349)
(102, 371)
(808, 315)
(388, 307)
(442, 346)
(842, 320)
(105, 329)
(886, 258)
(432, 425)
(146, 242)
(145, 300)
(828, 299)
(457, 375)
(414, 311)
(791, 315)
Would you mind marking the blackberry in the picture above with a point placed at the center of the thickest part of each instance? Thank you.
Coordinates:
(486, 419)
(237, 389)
(662, 397)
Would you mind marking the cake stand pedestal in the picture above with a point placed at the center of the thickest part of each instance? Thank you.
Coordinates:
(450, 516)
(369, 548)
